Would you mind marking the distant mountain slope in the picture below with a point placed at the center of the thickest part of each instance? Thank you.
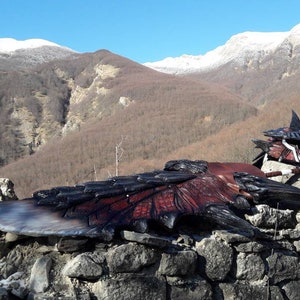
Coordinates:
(62, 119)
(16, 55)
(247, 49)
(260, 67)
(90, 102)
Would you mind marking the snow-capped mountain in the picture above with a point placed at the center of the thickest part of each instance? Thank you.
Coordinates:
(240, 49)
(16, 54)
(8, 45)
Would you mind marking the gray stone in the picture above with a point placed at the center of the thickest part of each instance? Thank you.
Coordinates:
(7, 190)
(3, 293)
(297, 245)
(88, 266)
(4, 249)
(215, 258)
(130, 257)
(184, 240)
(39, 278)
(191, 288)
(290, 233)
(255, 247)
(268, 217)
(298, 217)
(231, 237)
(242, 291)
(292, 290)
(12, 237)
(145, 238)
(67, 244)
(130, 286)
(10, 264)
(15, 285)
(249, 267)
(283, 267)
(178, 264)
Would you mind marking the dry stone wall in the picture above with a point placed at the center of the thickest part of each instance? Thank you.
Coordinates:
(187, 264)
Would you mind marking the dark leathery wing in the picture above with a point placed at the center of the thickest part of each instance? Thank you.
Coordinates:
(183, 188)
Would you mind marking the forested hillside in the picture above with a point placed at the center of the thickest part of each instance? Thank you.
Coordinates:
(63, 121)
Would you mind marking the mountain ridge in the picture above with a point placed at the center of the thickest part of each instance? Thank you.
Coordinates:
(8, 45)
(239, 48)
(20, 55)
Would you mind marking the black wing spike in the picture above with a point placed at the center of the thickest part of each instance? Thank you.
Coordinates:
(226, 218)
(264, 190)
(185, 165)
(263, 145)
(295, 122)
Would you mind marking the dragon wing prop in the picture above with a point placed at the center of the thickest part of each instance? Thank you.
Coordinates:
(183, 188)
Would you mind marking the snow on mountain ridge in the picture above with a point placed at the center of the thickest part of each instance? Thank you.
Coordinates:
(18, 55)
(8, 45)
(238, 49)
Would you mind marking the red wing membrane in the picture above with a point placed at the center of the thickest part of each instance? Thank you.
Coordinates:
(99, 208)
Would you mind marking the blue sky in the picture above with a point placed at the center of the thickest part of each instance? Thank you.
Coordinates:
(144, 30)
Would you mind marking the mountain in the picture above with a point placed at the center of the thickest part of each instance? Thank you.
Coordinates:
(64, 118)
(71, 118)
(243, 49)
(259, 67)
(17, 55)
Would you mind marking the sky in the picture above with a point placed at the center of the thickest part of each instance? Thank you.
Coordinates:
(144, 30)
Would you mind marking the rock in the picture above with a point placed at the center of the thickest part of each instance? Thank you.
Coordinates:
(145, 238)
(130, 286)
(10, 264)
(181, 263)
(184, 240)
(292, 290)
(249, 267)
(3, 293)
(298, 217)
(283, 267)
(7, 190)
(12, 237)
(290, 233)
(231, 237)
(15, 285)
(215, 258)
(242, 291)
(88, 266)
(130, 257)
(253, 246)
(297, 245)
(67, 244)
(192, 288)
(268, 217)
(39, 279)
(4, 249)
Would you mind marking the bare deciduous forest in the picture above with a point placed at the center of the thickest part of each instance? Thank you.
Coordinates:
(166, 117)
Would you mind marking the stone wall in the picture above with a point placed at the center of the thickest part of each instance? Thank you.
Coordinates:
(194, 262)
(189, 264)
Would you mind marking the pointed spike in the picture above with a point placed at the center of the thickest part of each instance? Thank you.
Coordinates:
(264, 145)
(169, 219)
(241, 203)
(295, 122)
(185, 165)
(140, 225)
(224, 217)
